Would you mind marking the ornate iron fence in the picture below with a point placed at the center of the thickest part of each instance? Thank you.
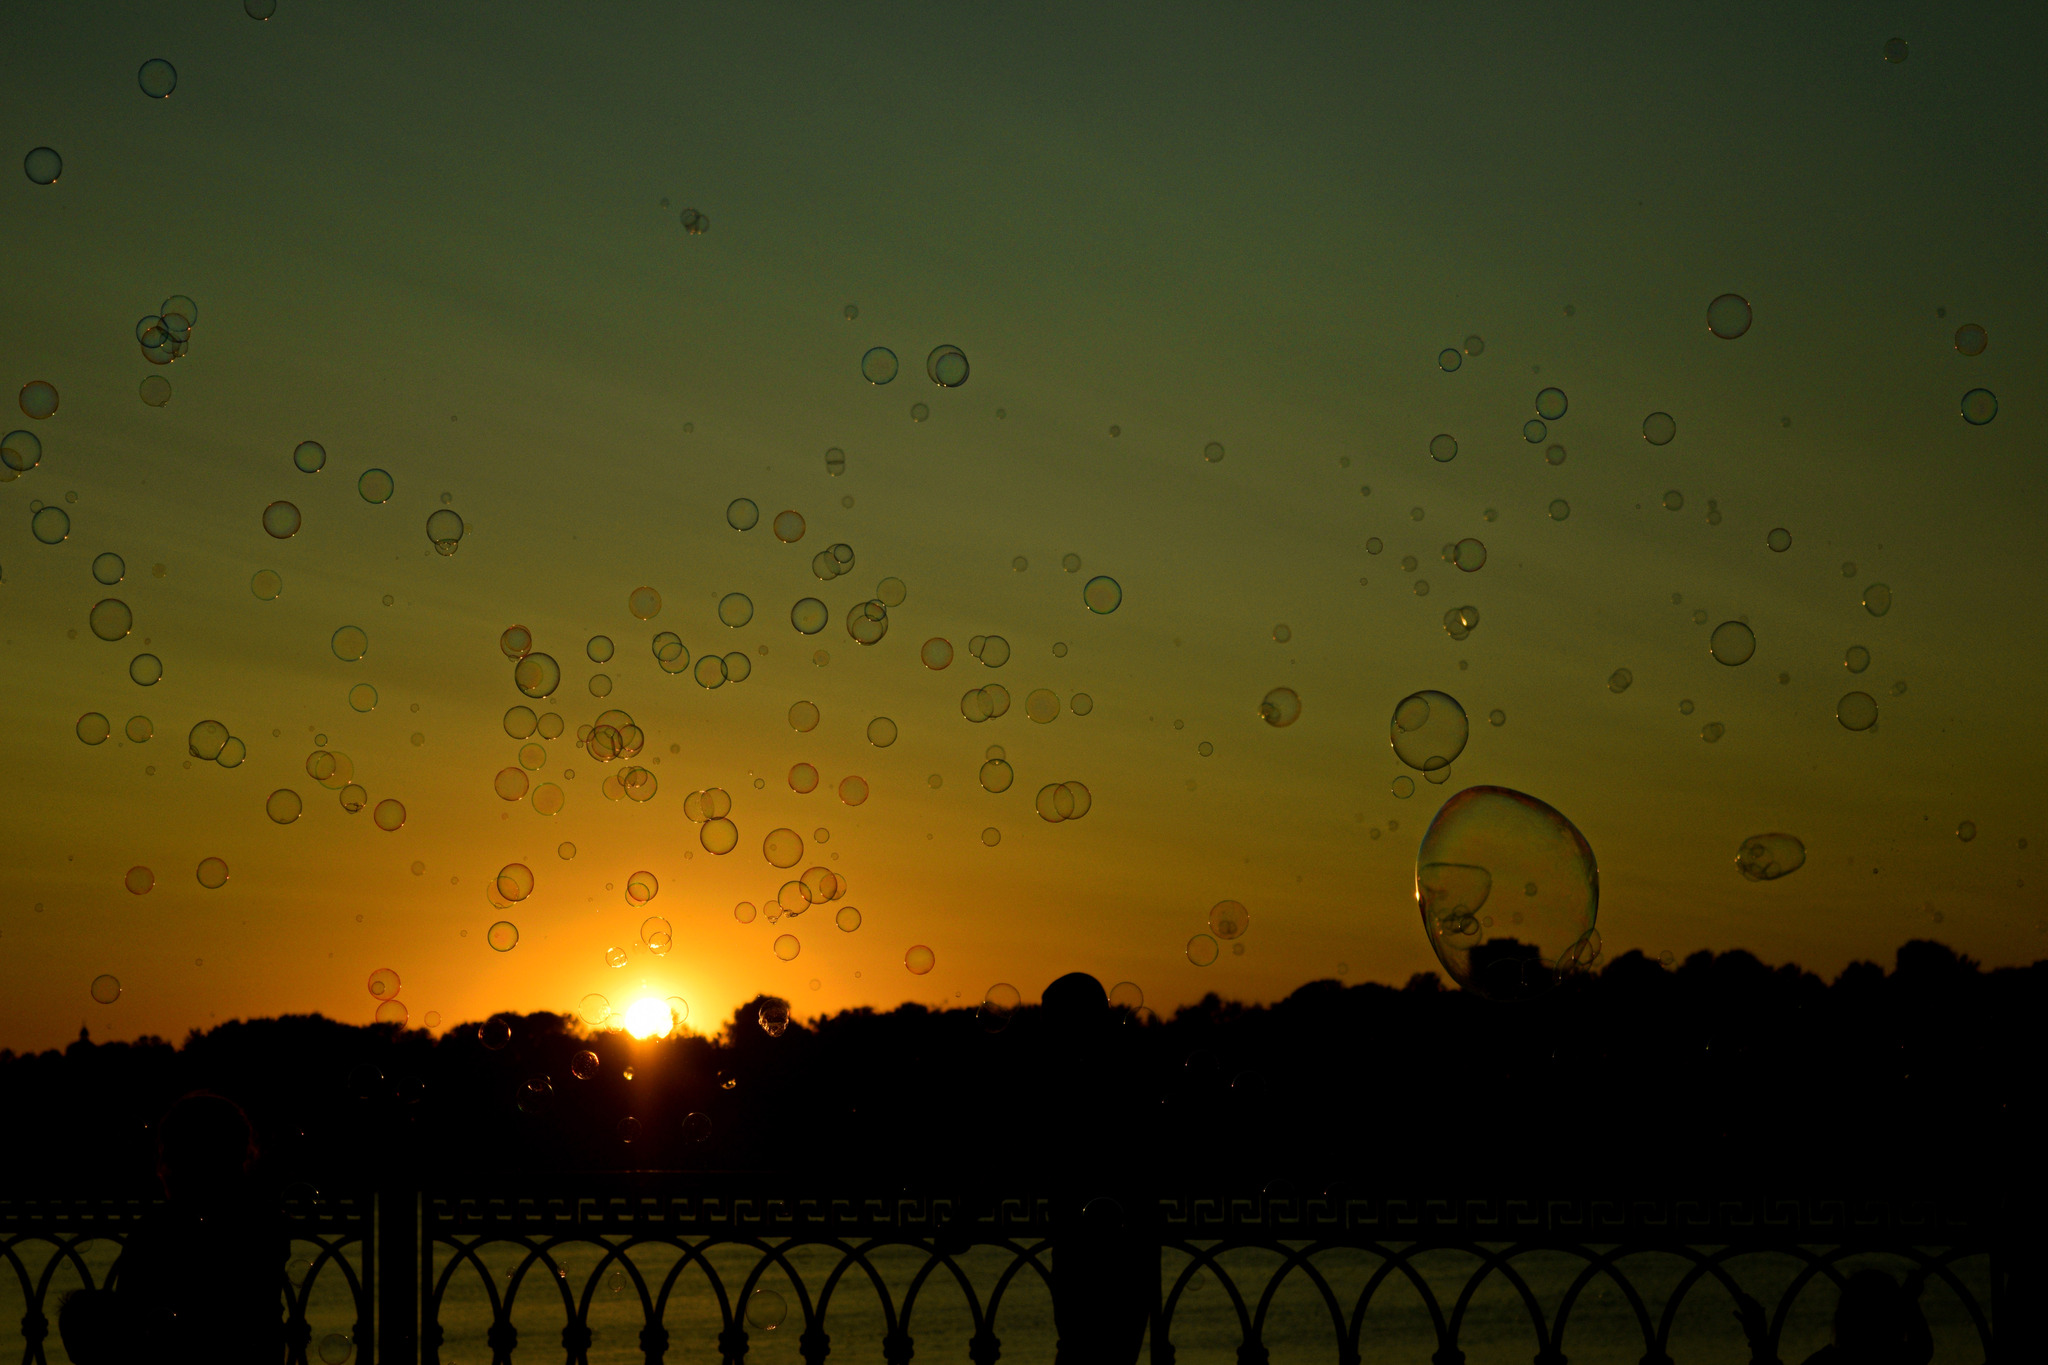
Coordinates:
(619, 1269)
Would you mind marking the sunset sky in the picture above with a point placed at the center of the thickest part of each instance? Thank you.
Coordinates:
(447, 242)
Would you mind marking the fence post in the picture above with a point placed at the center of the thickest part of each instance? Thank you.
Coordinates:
(398, 1269)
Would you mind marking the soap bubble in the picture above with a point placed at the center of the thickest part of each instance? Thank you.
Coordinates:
(537, 675)
(1279, 708)
(515, 882)
(881, 732)
(1042, 705)
(783, 847)
(809, 616)
(309, 456)
(266, 585)
(283, 805)
(1659, 429)
(1429, 730)
(1877, 599)
(1459, 622)
(1469, 554)
(1533, 431)
(1449, 359)
(787, 947)
(1779, 540)
(1202, 950)
(139, 730)
(1732, 643)
(641, 888)
(1967, 830)
(139, 880)
(1674, 501)
(1728, 316)
(21, 451)
(719, 836)
(1896, 50)
(1102, 595)
(1856, 711)
(516, 642)
(1227, 920)
(803, 717)
(350, 643)
(50, 525)
(213, 873)
(918, 960)
(735, 609)
(997, 775)
(106, 989)
(878, 366)
(643, 603)
(281, 520)
(1767, 857)
(947, 367)
(599, 648)
(93, 728)
(42, 165)
(742, 515)
(1550, 404)
(695, 223)
(145, 670)
(868, 622)
(803, 779)
(1619, 680)
(1856, 658)
(375, 486)
(444, 528)
(155, 390)
(206, 740)
(1971, 339)
(1443, 448)
(108, 569)
(1485, 836)
(835, 462)
(110, 618)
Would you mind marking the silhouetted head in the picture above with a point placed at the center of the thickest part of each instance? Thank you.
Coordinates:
(203, 1144)
(1075, 1005)
(1878, 1323)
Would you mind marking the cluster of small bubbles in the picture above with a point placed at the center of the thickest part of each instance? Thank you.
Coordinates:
(1459, 622)
(878, 365)
(1619, 680)
(1659, 429)
(1767, 857)
(694, 222)
(1728, 316)
(1779, 540)
(376, 486)
(742, 514)
(992, 650)
(832, 561)
(1732, 643)
(1856, 711)
(867, 622)
(1060, 801)
(1877, 599)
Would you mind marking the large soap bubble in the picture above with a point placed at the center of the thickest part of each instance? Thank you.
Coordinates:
(1541, 925)
(1767, 857)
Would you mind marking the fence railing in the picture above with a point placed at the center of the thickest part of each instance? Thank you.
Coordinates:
(643, 1269)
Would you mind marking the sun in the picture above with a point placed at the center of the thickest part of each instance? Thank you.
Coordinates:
(648, 1017)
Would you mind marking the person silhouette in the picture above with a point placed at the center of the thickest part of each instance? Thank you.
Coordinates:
(1877, 1322)
(201, 1278)
(1105, 1273)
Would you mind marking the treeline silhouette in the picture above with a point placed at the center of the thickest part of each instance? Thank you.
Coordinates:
(1722, 1075)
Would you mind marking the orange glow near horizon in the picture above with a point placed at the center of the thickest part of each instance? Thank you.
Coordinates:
(649, 1017)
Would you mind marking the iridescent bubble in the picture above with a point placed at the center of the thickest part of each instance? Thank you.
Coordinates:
(918, 960)
(1487, 836)
(1550, 404)
(878, 365)
(1559, 509)
(281, 520)
(1429, 730)
(106, 989)
(1201, 950)
(1728, 316)
(1102, 595)
(375, 486)
(266, 585)
(139, 730)
(93, 728)
(1619, 680)
(389, 815)
(1449, 359)
(537, 675)
(1659, 429)
(1856, 711)
(283, 805)
(1779, 540)
(309, 456)
(145, 670)
(1971, 339)
(213, 873)
(110, 618)
(1767, 857)
(1877, 599)
(947, 367)
(1856, 658)
(1443, 448)
(1732, 643)
(350, 643)
(21, 451)
(1280, 707)
(42, 165)
(742, 515)
(1227, 920)
(50, 525)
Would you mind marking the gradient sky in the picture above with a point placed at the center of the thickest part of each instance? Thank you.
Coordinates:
(444, 241)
